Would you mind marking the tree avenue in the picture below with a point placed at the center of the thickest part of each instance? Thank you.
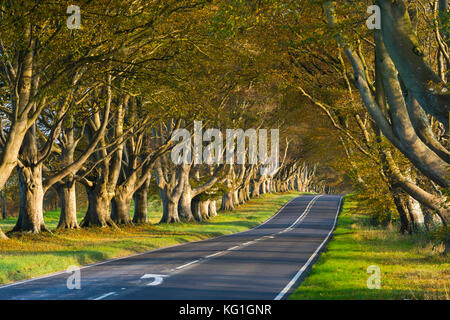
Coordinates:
(89, 114)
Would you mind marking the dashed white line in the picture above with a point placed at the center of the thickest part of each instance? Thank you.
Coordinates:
(214, 254)
(105, 295)
(186, 265)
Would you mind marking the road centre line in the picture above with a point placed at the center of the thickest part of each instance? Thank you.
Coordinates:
(105, 295)
(187, 264)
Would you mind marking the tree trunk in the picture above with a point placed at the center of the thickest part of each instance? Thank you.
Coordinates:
(246, 192)
(256, 188)
(262, 187)
(68, 203)
(227, 201)
(120, 209)
(447, 245)
(416, 214)
(170, 208)
(299, 185)
(196, 212)
(31, 217)
(402, 209)
(418, 76)
(98, 212)
(204, 209)
(185, 204)
(3, 195)
(236, 197)
(2, 235)
(212, 208)
(241, 196)
(140, 203)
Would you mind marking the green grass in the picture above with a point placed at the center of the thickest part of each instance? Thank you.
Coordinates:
(411, 268)
(25, 256)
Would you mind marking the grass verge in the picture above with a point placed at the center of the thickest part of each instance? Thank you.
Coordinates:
(410, 267)
(25, 256)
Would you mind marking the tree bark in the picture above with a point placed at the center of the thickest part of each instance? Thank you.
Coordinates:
(140, 203)
(416, 214)
(185, 204)
(212, 208)
(420, 155)
(2, 235)
(31, 216)
(170, 209)
(255, 189)
(227, 201)
(98, 212)
(402, 209)
(120, 209)
(3, 196)
(236, 197)
(241, 195)
(204, 209)
(404, 49)
(68, 203)
(196, 212)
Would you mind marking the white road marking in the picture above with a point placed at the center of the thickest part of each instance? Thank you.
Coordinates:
(187, 264)
(305, 266)
(308, 208)
(158, 278)
(233, 248)
(105, 295)
(214, 254)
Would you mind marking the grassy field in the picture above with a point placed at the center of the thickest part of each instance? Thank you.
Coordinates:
(27, 256)
(410, 267)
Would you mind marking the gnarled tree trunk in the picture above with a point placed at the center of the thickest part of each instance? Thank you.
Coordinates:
(227, 201)
(416, 214)
(204, 209)
(120, 209)
(236, 197)
(185, 204)
(31, 216)
(140, 203)
(212, 208)
(170, 208)
(68, 203)
(98, 212)
(255, 189)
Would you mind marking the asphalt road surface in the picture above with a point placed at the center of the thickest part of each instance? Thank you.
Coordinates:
(263, 263)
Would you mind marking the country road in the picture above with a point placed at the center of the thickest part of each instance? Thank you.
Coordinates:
(265, 263)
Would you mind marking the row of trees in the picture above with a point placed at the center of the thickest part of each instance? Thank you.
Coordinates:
(395, 134)
(384, 92)
(97, 107)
